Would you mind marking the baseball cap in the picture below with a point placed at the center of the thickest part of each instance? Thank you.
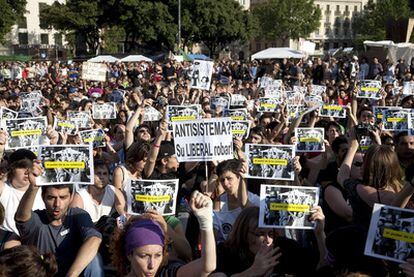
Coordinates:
(166, 150)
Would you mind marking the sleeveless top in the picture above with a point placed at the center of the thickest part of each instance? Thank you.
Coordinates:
(96, 211)
(332, 220)
(10, 199)
(126, 176)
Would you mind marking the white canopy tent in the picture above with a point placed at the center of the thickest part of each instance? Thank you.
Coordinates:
(277, 53)
(393, 51)
(136, 58)
(103, 59)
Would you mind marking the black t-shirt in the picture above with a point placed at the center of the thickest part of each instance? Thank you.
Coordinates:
(168, 71)
(332, 220)
(64, 241)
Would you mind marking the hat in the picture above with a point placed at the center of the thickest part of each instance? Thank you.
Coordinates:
(166, 150)
(21, 154)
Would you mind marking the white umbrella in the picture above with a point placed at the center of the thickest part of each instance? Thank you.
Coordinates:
(103, 59)
(277, 53)
(136, 58)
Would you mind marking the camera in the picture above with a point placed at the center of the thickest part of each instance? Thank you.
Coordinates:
(364, 129)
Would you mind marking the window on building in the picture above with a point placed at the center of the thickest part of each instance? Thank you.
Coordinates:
(22, 22)
(336, 45)
(327, 7)
(346, 8)
(58, 39)
(355, 8)
(337, 8)
(44, 38)
(345, 44)
(326, 46)
(317, 46)
(347, 27)
(327, 31)
(23, 38)
(336, 30)
(42, 23)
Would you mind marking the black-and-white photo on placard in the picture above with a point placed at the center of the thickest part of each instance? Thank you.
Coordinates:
(96, 137)
(270, 161)
(104, 110)
(66, 164)
(183, 113)
(220, 101)
(408, 88)
(310, 139)
(378, 111)
(82, 119)
(26, 132)
(287, 206)
(316, 89)
(391, 234)
(300, 89)
(268, 104)
(395, 119)
(313, 100)
(7, 113)
(159, 195)
(295, 98)
(201, 74)
(240, 128)
(31, 103)
(237, 100)
(294, 111)
(236, 114)
(65, 126)
(369, 89)
(335, 111)
(151, 114)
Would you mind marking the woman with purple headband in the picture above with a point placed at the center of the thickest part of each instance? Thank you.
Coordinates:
(140, 248)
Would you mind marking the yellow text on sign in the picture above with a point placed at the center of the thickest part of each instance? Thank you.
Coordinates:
(283, 162)
(238, 132)
(398, 235)
(152, 198)
(289, 207)
(183, 118)
(26, 133)
(71, 165)
(309, 140)
(237, 117)
(396, 119)
(370, 89)
(335, 108)
(269, 106)
(66, 125)
(94, 139)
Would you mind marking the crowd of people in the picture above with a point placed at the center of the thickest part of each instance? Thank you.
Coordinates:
(68, 230)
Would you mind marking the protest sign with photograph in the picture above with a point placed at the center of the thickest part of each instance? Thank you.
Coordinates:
(391, 234)
(237, 114)
(316, 89)
(335, 111)
(378, 111)
(159, 195)
(96, 137)
(275, 92)
(287, 206)
(66, 164)
(240, 128)
(411, 123)
(268, 81)
(295, 98)
(105, 110)
(300, 89)
(151, 114)
(295, 110)
(206, 139)
(82, 119)
(26, 132)
(222, 101)
(65, 126)
(31, 103)
(270, 161)
(395, 119)
(369, 89)
(183, 113)
(7, 113)
(310, 139)
(408, 88)
(268, 104)
(201, 74)
(237, 100)
(94, 71)
(313, 100)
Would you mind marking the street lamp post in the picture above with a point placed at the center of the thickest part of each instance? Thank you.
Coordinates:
(179, 26)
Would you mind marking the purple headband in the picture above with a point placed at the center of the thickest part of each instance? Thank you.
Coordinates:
(141, 233)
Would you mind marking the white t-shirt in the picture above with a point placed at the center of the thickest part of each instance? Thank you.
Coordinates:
(10, 199)
(224, 219)
(96, 211)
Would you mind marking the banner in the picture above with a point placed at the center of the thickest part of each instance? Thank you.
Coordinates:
(270, 161)
(203, 140)
(104, 110)
(287, 207)
(310, 139)
(201, 74)
(26, 132)
(369, 89)
(159, 195)
(240, 129)
(95, 137)
(391, 234)
(335, 111)
(94, 71)
(66, 164)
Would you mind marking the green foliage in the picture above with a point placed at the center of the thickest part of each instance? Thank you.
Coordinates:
(11, 10)
(111, 37)
(286, 18)
(370, 24)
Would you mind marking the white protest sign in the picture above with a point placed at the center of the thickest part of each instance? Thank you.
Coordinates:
(94, 71)
(201, 74)
(203, 140)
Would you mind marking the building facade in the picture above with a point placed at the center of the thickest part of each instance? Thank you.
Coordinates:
(31, 37)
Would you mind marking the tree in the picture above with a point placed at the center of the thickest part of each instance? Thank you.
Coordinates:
(286, 19)
(11, 10)
(370, 24)
(83, 17)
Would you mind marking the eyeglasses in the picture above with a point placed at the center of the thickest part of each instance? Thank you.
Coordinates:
(358, 164)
